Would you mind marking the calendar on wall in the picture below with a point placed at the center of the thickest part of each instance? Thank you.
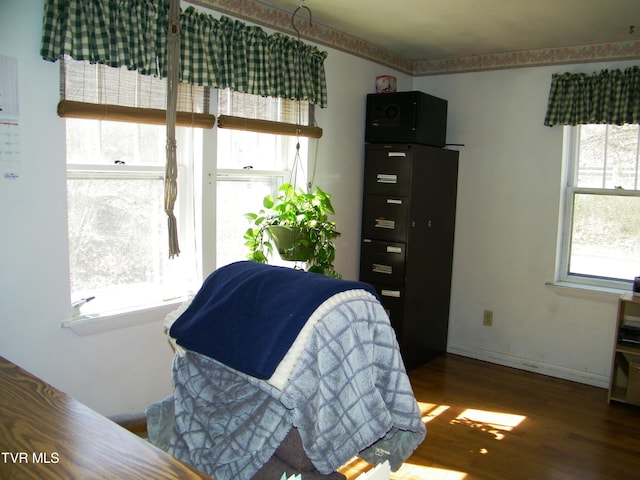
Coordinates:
(10, 158)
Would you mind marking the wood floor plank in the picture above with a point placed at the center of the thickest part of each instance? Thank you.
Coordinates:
(486, 422)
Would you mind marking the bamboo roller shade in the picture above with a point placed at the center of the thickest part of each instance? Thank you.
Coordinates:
(268, 126)
(117, 113)
(153, 116)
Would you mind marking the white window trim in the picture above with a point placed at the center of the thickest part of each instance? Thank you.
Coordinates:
(94, 324)
(88, 171)
(232, 174)
(91, 324)
(572, 284)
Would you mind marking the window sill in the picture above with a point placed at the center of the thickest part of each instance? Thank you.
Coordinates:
(578, 290)
(93, 324)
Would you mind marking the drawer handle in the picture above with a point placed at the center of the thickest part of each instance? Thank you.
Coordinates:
(390, 293)
(387, 178)
(397, 154)
(394, 201)
(391, 249)
(384, 223)
(379, 268)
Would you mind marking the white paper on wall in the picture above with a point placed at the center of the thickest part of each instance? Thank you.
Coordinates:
(10, 157)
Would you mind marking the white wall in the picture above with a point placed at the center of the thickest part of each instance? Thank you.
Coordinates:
(114, 372)
(507, 230)
(122, 371)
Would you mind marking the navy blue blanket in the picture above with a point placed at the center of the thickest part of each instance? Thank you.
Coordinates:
(246, 314)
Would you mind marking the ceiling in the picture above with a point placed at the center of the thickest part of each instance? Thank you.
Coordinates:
(438, 29)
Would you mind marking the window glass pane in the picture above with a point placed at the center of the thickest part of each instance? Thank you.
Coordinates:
(104, 143)
(83, 141)
(622, 156)
(117, 236)
(608, 157)
(118, 241)
(239, 149)
(591, 155)
(605, 236)
(235, 198)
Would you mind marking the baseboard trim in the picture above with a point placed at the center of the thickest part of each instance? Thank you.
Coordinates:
(551, 370)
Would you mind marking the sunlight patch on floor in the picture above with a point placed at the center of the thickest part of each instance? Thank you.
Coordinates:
(495, 423)
(429, 411)
(409, 471)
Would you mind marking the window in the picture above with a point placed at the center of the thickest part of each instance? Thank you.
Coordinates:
(118, 239)
(252, 165)
(118, 247)
(601, 230)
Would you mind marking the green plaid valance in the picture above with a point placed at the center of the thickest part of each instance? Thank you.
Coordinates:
(218, 53)
(226, 53)
(611, 97)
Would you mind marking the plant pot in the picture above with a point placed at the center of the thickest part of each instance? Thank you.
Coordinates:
(287, 241)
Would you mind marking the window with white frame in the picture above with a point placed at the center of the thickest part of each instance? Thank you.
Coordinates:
(118, 246)
(601, 229)
(118, 238)
(252, 165)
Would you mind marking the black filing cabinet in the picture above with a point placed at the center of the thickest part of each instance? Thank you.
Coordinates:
(408, 223)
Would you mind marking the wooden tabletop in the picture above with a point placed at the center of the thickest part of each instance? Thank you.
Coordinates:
(46, 434)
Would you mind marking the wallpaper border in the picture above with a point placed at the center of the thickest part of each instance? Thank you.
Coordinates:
(280, 20)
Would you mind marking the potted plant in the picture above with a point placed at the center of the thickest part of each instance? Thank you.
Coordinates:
(298, 224)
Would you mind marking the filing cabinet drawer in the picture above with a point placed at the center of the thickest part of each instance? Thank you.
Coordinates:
(393, 303)
(382, 262)
(384, 217)
(387, 172)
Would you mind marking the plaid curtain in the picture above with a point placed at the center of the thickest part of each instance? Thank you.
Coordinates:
(218, 53)
(117, 33)
(611, 97)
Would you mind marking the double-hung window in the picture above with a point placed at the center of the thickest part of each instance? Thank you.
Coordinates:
(252, 164)
(118, 239)
(601, 221)
(118, 248)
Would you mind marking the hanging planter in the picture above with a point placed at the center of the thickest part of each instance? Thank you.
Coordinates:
(292, 243)
(298, 224)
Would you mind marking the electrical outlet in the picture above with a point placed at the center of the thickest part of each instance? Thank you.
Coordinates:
(487, 319)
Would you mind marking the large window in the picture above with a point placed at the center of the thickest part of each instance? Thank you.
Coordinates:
(252, 165)
(118, 246)
(116, 162)
(601, 226)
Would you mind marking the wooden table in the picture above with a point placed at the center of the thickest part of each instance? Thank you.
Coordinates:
(45, 434)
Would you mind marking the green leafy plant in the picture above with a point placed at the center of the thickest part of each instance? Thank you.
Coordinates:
(308, 233)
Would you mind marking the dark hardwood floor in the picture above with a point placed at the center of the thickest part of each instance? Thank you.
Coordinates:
(489, 422)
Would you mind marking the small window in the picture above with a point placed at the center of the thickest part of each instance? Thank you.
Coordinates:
(601, 228)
